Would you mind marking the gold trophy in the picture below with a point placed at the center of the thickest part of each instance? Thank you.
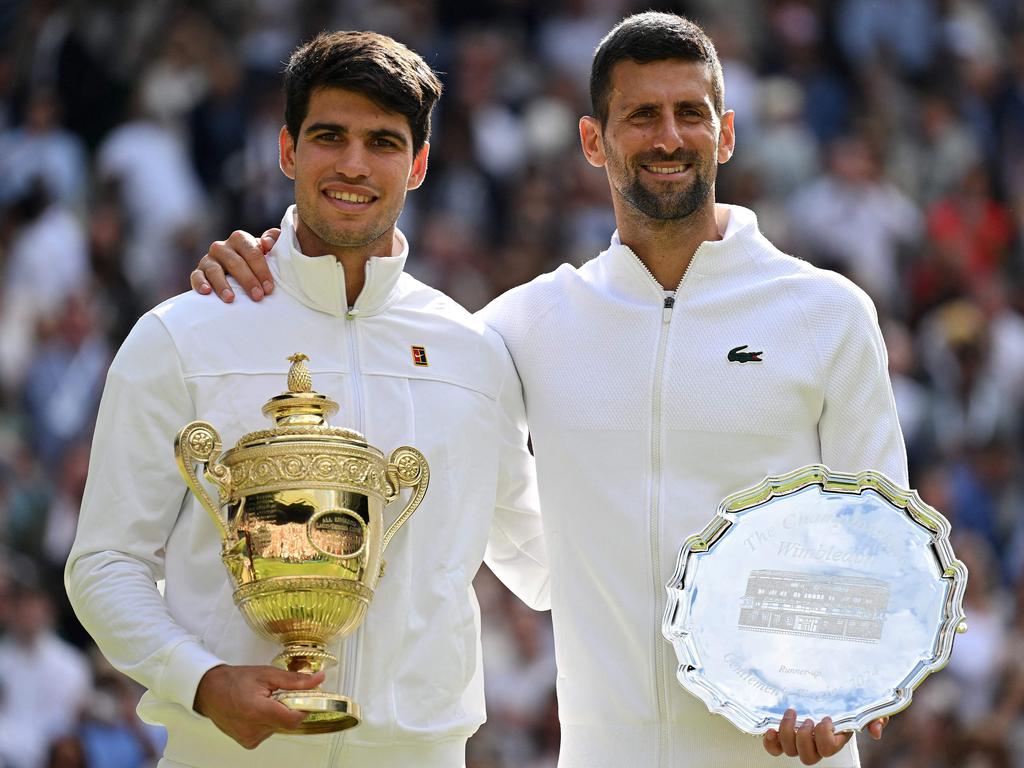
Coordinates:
(303, 529)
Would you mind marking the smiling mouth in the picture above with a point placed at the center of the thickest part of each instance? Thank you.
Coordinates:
(665, 170)
(348, 197)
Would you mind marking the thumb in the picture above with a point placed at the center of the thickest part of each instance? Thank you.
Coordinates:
(269, 238)
(280, 679)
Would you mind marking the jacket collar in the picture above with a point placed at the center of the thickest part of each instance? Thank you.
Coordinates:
(628, 275)
(319, 281)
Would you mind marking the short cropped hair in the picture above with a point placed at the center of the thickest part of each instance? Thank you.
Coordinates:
(376, 66)
(648, 37)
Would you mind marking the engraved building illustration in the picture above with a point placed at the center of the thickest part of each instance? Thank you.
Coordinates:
(839, 607)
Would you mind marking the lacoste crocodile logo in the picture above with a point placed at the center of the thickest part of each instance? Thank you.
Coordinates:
(737, 355)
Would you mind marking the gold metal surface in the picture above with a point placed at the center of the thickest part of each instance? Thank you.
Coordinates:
(301, 519)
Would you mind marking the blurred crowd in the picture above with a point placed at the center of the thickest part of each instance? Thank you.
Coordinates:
(880, 138)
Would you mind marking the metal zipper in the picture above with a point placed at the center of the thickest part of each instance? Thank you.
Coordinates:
(659, 586)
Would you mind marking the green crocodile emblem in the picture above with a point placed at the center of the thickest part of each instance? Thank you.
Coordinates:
(737, 355)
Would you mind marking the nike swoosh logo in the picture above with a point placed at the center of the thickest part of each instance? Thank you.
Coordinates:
(737, 355)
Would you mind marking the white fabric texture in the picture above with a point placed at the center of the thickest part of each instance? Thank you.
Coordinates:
(641, 425)
(413, 666)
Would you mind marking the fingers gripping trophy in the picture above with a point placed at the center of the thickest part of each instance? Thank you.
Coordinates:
(301, 520)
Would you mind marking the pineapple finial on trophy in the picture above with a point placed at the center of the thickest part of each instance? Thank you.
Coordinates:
(299, 379)
(301, 405)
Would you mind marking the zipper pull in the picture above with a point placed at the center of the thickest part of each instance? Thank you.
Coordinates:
(351, 314)
(666, 313)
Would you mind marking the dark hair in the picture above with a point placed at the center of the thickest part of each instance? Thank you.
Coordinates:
(374, 65)
(648, 37)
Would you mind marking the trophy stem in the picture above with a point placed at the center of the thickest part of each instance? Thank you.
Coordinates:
(308, 658)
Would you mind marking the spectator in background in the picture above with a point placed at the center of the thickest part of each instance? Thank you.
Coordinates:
(160, 193)
(263, 189)
(217, 127)
(972, 227)
(108, 237)
(61, 519)
(110, 734)
(41, 150)
(34, 285)
(941, 152)
(519, 672)
(903, 30)
(65, 379)
(980, 654)
(972, 407)
(797, 45)
(852, 220)
(1010, 112)
(44, 682)
(913, 399)
(24, 498)
(785, 153)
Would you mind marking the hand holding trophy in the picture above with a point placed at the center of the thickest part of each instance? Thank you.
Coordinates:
(301, 520)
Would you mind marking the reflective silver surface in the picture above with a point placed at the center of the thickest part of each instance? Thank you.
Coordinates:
(830, 593)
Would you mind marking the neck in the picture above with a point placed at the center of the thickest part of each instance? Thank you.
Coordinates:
(352, 258)
(666, 247)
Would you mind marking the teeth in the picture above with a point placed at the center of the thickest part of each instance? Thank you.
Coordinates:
(669, 169)
(348, 197)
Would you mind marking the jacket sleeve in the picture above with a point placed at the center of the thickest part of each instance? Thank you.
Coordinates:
(858, 428)
(132, 500)
(515, 548)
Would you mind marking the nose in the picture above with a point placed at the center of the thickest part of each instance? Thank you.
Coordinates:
(668, 138)
(352, 161)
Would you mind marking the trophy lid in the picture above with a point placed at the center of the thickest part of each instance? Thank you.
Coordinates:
(301, 411)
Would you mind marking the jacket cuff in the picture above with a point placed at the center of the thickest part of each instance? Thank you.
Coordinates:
(186, 665)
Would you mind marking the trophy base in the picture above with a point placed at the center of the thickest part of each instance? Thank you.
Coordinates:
(325, 712)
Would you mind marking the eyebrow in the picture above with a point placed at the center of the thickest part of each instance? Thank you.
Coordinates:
(685, 104)
(378, 133)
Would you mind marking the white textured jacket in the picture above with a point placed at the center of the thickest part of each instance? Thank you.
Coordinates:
(414, 665)
(642, 424)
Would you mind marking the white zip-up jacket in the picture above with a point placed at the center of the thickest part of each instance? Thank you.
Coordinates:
(414, 665)
(642, 424)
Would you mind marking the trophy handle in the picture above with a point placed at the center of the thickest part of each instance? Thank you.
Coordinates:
(199, 443)
(407, 468)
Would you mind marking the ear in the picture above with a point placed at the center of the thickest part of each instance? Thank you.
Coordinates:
(726, 137)
(286, 158)
(592, 141)
(419, 167)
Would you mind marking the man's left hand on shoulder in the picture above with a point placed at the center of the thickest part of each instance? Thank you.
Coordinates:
(811, 742)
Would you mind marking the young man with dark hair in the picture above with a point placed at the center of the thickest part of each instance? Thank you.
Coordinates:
(356, 141)
(641, 418)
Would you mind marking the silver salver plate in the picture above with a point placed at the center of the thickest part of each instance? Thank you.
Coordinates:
(834, 594)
